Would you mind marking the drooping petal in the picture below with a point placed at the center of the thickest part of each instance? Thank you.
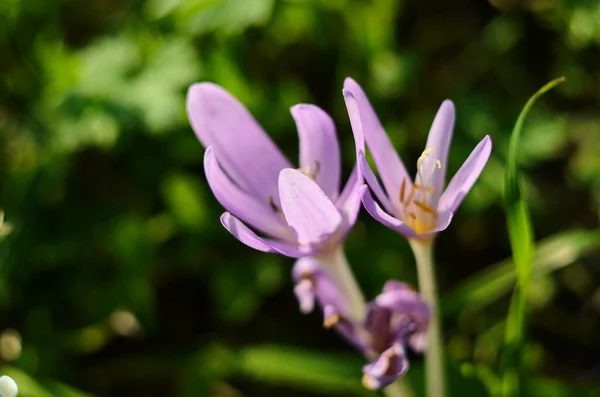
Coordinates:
(363, 117)
(243, 233)
(388, 367)
(324, 289)
(259, 215)
(245, 151)
(382, 217)
(401, 299)
(319, 148)
(438, 142)
(246, 236)
(466, 176)
(309, 212)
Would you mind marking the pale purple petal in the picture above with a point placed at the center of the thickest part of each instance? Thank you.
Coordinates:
(373, 183)
(324, 288)
(382, 217)
(244, 150)
(319, 148)
(401, 299)
(439, 139)
(346, 194)
(246, 236)
(305, 294)
(388, 367)
(442, 223)
(349, 202)
(257, 214)
(309, 212)
(363, 117)
(243, 233)
(466, 176)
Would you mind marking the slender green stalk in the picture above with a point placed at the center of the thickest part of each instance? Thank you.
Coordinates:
(337, 267)
(434, 357)
(398, 389)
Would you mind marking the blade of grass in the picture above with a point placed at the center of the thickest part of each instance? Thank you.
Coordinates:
(495, 281)
(302, 369)
(520, 234)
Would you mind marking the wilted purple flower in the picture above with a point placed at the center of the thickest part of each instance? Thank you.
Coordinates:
(417, 210)
(396, 318)
(298, 212)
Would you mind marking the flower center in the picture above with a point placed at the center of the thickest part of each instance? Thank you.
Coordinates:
(418, 204)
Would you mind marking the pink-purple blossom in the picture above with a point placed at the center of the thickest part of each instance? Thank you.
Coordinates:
(271, 205)
(417, 210)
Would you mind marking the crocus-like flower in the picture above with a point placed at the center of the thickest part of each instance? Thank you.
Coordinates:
(298, 212)
(417, 210)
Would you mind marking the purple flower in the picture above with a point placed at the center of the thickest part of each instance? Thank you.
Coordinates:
(271, 206)
(417, 210)
(396, 318)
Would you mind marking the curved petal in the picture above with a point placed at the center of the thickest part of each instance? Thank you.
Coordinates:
(349, 202)
(382, 217)
(386, 368)
(362, 116)
(373, 183)
(319, 147)
(443, 221)
(246, 236)
(308, 211)
(243, 233)
(245, 151)
(242, 205)
(440, 135)
(466, 176)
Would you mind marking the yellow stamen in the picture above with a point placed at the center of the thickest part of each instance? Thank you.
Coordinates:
(427, 189)
(331, 320)
(402, 190)
(425, 207)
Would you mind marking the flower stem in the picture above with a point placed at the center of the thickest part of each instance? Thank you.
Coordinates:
(336, 265)
(398, 389)
(434, 357)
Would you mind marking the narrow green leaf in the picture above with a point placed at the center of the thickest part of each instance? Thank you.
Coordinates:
(303, 369)
(495, 281)
(520, 234)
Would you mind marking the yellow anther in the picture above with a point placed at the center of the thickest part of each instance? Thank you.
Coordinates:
(427, 189)
(331, 320)
(439, 163)
(402, 190)
(425, 207)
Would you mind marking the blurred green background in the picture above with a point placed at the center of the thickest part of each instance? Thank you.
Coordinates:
(117, 278)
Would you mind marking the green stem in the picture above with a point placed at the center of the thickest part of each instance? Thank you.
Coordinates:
(434, 357)
(335, 264)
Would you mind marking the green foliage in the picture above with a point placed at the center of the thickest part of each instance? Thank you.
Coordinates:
(520, 232)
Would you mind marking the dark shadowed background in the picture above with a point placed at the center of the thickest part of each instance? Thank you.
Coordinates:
(117, 278)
